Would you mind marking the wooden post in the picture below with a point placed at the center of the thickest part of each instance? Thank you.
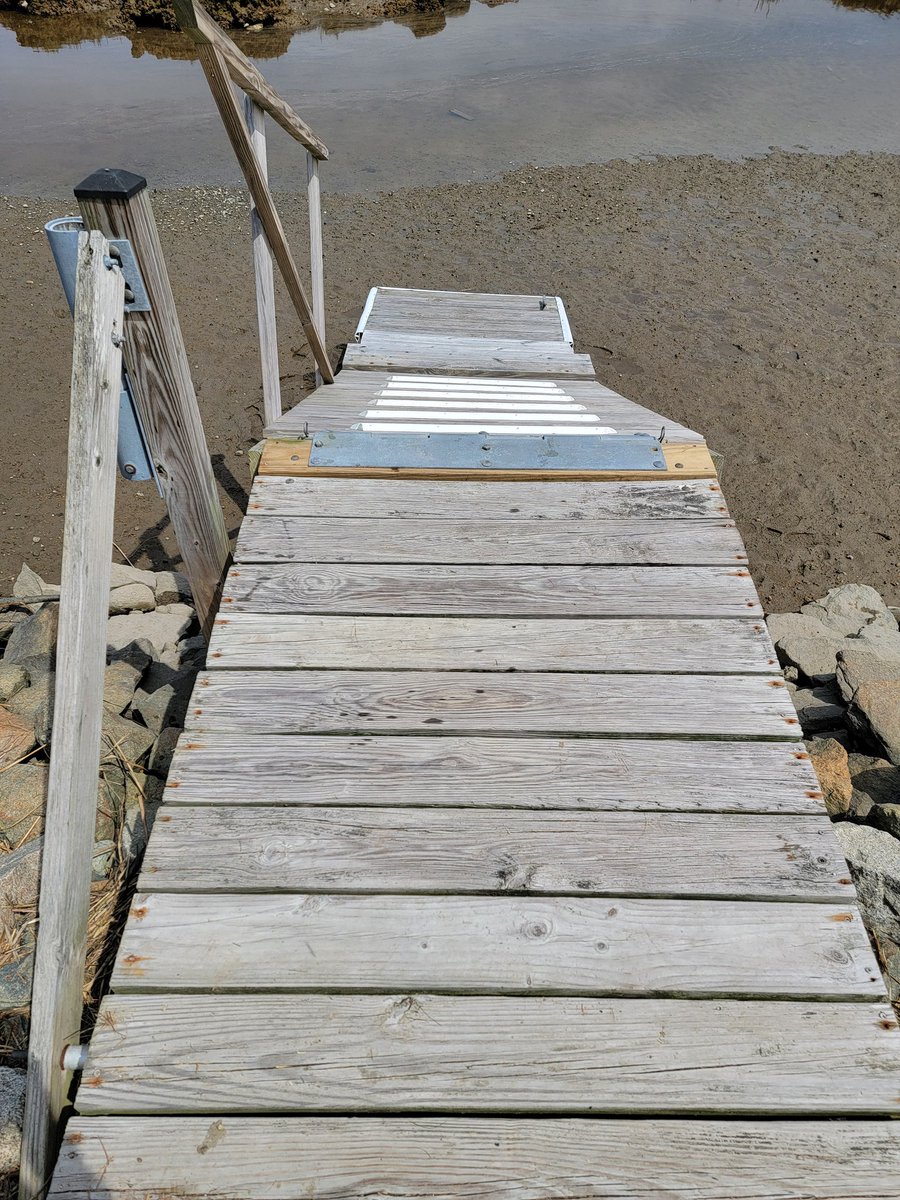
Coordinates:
(56, 1006)
(316, 250)
(220, 85)
(264, 275)
(118, 204)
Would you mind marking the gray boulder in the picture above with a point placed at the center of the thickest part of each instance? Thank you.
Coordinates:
(850, 608)
(121, 575)
(172, 588)
(13, 679)
(120, 680)
(160, 629)
(131, 597)
(163, 697)
(874, 858)
(23, 793)
(35, 637)
(29, 583)
(34, 704)
(12, 1110)
(818, 708)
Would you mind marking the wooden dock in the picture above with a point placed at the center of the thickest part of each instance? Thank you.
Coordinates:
(492, 863)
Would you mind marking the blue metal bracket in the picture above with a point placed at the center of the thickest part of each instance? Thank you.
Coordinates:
(135, 463)
(483, 451)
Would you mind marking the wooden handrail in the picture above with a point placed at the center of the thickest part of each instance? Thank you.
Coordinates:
(202, 29)
(56, 1006)
(217, 77)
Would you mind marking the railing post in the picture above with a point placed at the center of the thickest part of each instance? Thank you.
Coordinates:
(56, 1006)
(316, 250)
(264, 275)
(118, 204)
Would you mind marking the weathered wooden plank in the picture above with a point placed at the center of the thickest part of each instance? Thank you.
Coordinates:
(438, 702)
(662, 775)
(587, 542)
(459, 1158)
(491, 590)
(203, 30)
(422, 850)
(436, 1054)
(461, 314)
(316, 248)
(264, 276)
(292, 496)
(495, 944)
(683, 461)
(80, 661)
(466, 355)
(243, 641)
(118, 203)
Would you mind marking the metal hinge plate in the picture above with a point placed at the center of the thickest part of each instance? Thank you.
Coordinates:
(481, 451)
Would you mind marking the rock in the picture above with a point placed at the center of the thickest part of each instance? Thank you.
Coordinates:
(876, 778)
(172, 588)
(784, 625)
(12, 1111)
(886, 817)
(35, 637)
(29, 583)
(34, 704)
(23, 794)
(829, 758)
(138, 654)
(818, 708)
(860, 663)
(875, 713)
(121, 575)
(850, 608)
(20, 877)
(120, 680)
(13, 679)
(9, 619)
(182, 610)
(131, 597)
(124, 738)
(160, 629)
(814, 657)
(160, 757)
(874, 858)
(163, 697)
(16, 737)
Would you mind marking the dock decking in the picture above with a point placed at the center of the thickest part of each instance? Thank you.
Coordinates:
(492, 863)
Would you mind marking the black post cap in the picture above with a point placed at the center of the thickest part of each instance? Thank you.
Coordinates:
(110, 183)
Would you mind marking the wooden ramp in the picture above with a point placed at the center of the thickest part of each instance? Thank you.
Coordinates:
(492, 863)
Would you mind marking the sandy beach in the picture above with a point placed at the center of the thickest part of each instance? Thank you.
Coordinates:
(755, 301)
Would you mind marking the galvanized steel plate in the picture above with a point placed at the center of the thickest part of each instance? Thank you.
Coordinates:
(481, 451)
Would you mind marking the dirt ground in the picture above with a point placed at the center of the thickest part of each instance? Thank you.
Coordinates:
(754, 301)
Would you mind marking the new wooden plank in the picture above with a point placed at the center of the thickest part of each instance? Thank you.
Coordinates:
(293, 496)
(421, 850)
(586, 542)
(662, 775)
(683, 461)
(459, 1158)
(466, 355)
(436, 702)
(491, 590)
(243, 641)
(495, 944)
(264, 275)
(434, 1054)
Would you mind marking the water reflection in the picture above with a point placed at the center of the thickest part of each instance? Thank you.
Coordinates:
(570, 81)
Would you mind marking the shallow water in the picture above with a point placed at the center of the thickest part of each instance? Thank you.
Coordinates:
(550, 83)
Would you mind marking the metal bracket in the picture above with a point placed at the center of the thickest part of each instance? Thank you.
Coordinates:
(134, 459)
(135, 292)
(482, 451)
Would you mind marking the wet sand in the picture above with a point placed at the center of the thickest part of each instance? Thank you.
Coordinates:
(755, 301)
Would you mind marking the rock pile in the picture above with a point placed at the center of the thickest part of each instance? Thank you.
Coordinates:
(154, 651)
(841, 658)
